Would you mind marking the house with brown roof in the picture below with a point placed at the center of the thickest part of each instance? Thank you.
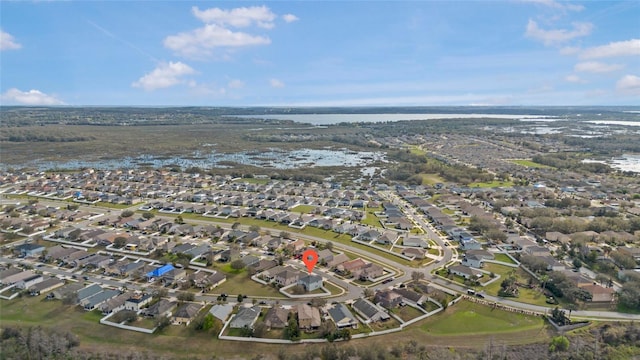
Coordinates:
(186, 313)
(276, 318)
(308, 317)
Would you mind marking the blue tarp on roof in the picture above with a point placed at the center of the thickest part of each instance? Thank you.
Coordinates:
(160, 271)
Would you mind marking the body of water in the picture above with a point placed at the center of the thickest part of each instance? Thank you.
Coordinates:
(329, 119)
(274, 158)
(626, 162)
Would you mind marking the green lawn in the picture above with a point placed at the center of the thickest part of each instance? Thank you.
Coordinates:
(531, 164)
(407, 313)
(491, 184)
(371, 218)
(527, 296)
(470, 318)
(303, 209)
(238, 282)
(504, 258)
(431, 179)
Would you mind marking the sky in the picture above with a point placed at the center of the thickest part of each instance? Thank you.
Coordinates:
(320, 53)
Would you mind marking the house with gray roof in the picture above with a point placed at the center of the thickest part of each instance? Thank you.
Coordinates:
(88, 291)
(221, 311)
(245, 317)
(342, 317)
(96, 300)
(186, 313)
(369, 311)
(162, 308)
(310, 282)
(415, 241)
(45, 286)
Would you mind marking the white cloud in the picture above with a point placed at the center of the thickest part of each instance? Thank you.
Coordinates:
(200, 42)
(574, 79)
(552, 37)
(596, 67)
(569, 50)
(31, 97)
(613, 49)
(629, 84)
(163, 76)
(238, 17)
(275, 83)
(290, 18)
(7, 42)
(235, 84)
(556, 5)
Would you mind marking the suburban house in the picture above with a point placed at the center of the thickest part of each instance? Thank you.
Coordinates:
(415, 241)
(186, 313)
(29, 281)
(162, 308)
(45, 286)
(96, 300)
(160, 271)
(287, 277)
(352, 267)
(29, 250)
(65, 291)
(221, 311)
(342, 317)
(369, 311)
(276, 318)
(465, 271)
(245, 317)
(473, 260)
(137, 302)
(410, 296)
(308, 317)
(115, 304)
(371, 272)
(310, 282)
(415, 253)
(388, 299)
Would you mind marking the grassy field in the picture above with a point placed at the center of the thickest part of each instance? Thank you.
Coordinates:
(528, 296)
(464, 324)
(471, 318)
(530, 164)
(504, 258)
(431, 179)
(240, 283)
(407, 313)
(371, 218)
(491, 184)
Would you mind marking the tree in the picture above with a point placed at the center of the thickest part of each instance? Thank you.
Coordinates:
(237, 264)
(577, 263)
(126, 213)
(629, 295)
(240, 298)
(207, 323)
(254, 228)
(559, 343)
(235, 225)
(292, 331)
(186, 296)
(119, 242)
(148, 215)
(179, 220)
(368, 293)
(285, 235)
(329, 246)
(417, 276)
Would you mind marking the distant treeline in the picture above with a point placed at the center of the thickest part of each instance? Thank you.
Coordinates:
(569, 161)
(36, 135)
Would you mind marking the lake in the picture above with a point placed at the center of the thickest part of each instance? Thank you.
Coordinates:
(329, 119)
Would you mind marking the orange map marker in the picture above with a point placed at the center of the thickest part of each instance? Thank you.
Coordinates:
(310, 258)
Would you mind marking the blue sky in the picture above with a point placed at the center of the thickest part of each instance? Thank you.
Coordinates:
(320, 53)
